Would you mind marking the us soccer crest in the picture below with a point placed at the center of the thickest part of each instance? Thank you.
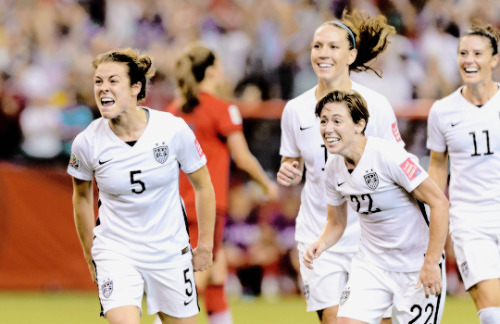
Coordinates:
(107, 288)
(371, 180)
(161, 153)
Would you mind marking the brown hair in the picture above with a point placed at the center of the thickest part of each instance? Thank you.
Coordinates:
(190, 71)
(370, 36)
(487, 31)
(356, 105)
(139, 66)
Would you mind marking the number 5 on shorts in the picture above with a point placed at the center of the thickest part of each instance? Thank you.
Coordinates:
(189, 283)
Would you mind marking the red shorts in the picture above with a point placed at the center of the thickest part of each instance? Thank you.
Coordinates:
(220, 222)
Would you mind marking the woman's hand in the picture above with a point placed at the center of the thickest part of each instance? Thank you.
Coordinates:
(289, 174)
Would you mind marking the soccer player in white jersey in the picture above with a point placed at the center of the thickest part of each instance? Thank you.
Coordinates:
(140, 244)
(465, 127)
(400, 248)
(337, 49)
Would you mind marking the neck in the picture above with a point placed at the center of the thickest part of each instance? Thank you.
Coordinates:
(129, 126)
(353, 156)
(479, 95)
(208, 87)
(324, 87)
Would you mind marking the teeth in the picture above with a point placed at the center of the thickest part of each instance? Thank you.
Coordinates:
(332, 140)
(324, 65)
(471, 70)
(106, 100)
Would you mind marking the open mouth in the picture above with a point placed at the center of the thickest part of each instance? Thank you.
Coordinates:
(107, 102)
(325, 65)
(471, 71)
(331, 140)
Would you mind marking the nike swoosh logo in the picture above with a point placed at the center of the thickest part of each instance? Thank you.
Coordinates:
(187, 302)
(341, 183)
(455, 124)
(102, 162)
(304, 128)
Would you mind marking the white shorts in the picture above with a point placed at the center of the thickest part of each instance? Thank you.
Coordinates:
(370, 291)
(323, 285)
(171, 291)
(477, 251)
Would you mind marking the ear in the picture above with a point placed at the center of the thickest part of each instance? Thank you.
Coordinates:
(136, 88)
(360, 126)
(494, 61)
(352, 56)
(209, 72)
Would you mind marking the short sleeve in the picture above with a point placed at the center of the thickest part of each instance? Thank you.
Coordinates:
(229, 120)
(288, 145)
(79, 165)
(333, 196)
(404, 169)
(435, 137)
(188, 151)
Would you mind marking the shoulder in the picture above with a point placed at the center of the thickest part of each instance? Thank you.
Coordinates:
(383, 148)
(213, 101)
(370, 96)
(165, 120)
(448, 102)
(375, 101)
(158, 114)
(94, 129)
(219, 109)
(301, 108)
(333, 161)
(306, 98)
(333, 166)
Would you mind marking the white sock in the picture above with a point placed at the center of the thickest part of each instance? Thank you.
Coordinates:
(221, 318)
(489, 315)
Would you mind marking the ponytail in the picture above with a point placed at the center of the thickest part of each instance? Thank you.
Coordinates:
(372, 38)
(190, 71)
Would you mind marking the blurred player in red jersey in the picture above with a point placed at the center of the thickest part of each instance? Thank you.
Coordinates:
(218, 127)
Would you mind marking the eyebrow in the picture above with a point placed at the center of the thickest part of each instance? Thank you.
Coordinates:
(328, 42)
(109, 77)
(334, 115)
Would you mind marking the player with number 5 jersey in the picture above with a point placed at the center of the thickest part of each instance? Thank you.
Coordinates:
(140, 243)
(464, 128)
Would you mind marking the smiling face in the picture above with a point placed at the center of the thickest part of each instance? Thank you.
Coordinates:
(337, 127)
(476, 60)
(112, 90)
(330, 53)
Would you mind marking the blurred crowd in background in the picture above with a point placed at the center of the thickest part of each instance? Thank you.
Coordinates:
(46, 88)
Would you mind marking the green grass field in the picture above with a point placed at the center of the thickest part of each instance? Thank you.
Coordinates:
(83, 308)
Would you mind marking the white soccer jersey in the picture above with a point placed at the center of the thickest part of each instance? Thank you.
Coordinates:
(140, 209)
(394, 229)
(301, 137)
(471, 135)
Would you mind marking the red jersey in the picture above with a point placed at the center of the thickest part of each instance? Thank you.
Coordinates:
(212, 121)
